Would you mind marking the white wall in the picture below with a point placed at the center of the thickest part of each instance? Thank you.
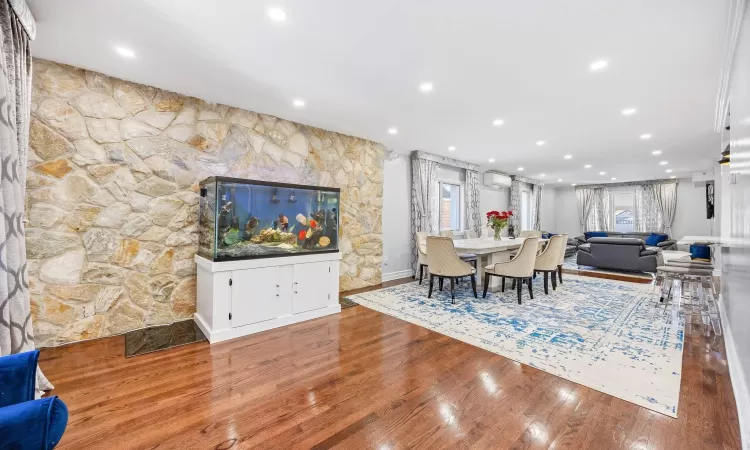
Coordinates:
(548, 214)
(690, 216)
(397, 218)
(566, 211)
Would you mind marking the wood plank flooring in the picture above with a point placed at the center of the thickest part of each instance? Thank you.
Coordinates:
(365, 380)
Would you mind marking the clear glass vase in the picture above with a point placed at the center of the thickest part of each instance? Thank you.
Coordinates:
(498, 232)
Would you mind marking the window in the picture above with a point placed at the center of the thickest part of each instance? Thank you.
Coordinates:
(450, 206)
(623, 209)
(526, 210)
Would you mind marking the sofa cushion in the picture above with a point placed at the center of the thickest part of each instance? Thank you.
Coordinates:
(655, 238)
(591, 234)
(585, 248)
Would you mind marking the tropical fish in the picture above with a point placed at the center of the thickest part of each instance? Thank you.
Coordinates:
(324, 241)
(250, 225)
(283, 222)
(301, 219)
(312, 223)
(302, 235)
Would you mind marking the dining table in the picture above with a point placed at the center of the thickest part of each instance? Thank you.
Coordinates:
(490, 251)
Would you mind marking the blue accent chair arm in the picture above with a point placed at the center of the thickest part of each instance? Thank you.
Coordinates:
(33, 425)
(18, 378)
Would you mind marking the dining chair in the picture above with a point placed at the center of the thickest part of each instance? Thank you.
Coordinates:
(447, 233)
(421, 241)
(470, 258)
(443, 262)
(520, 268)
(561, 258)
(530, 233)
(471, 234)
(547, 260)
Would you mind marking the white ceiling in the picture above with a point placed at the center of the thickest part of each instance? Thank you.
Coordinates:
(358, 66)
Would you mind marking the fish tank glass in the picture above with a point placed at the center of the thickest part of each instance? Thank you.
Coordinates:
(246, 219)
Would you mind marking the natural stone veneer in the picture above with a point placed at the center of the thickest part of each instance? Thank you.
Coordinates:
(112, 203)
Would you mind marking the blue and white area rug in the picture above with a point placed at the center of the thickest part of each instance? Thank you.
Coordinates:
(604, 334)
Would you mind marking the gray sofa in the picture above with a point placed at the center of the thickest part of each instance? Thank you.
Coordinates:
(619, 253)
(664, 245)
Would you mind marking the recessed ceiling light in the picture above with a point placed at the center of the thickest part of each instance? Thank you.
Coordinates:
(645, 136)
(628, 111)
(656, 152)
(276, 14)
(498, 122)
(426, 86)
(572, 184)
(568, 156)
(673, 176)
(540, 143)
(613, 178)
(598, 65)
(125, 52)
(491, 160)
(559, 180)
(451, 149)
(602, 173)
(298, 103)
(520, 169)
(542, 175)
(587, 166)
(668, 170)
(393, 130)
(663, 163)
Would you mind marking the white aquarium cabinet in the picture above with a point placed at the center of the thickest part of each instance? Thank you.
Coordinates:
(236, 298)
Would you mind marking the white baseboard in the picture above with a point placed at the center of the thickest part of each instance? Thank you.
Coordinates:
(741, 390)
(396, 275)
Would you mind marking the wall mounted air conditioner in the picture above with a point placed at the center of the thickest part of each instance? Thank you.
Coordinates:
(496, 179)
(701, 178)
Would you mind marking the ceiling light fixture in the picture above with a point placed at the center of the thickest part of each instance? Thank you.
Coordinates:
(628, 111)
(451, 149)
(498, 122)
(645, 136)
(520, 169)
(668, 170)
(572, 184)
(663, 163)
(542, 175)
(598, 65)
(298, 103)
(393, 130)
(427, 86)
(602, 173)
(568, 156)
(559, 180)
(540, 143)
(276, 14)
(491, 160)
(125, 52)
(656, 152)
(672, 176)
(614, 178)
(587, 166)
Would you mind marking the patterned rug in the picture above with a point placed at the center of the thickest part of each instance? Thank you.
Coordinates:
(570, 263)
(604, 334)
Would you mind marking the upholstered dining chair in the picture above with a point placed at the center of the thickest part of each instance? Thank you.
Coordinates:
(443, 262)
(530, 233)
(561, 258)
(471, 234)
(420, 238)
(447, 233)
(547, 260)
(519, 268)
(470, 258)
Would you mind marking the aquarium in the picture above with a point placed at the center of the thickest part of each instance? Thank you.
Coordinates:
(246, 219)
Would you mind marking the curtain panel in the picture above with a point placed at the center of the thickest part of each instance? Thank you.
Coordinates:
(666, 199)
(16, 330)
(594, 209)
(473, 215)
(424, 198)
(515, 205)
(646, 211)
(536, 206)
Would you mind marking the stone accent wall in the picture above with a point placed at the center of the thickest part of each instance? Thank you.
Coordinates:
(112, 203)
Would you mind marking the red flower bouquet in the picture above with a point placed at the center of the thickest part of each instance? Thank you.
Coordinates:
(497, 220)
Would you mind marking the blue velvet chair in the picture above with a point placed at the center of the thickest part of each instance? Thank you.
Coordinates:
(25, 423)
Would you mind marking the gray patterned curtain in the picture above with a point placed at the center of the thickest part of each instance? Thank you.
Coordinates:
(515, 205)
(646, 211)
(585, 202)
(536, 206)
(666, 199)
(424, 197)
(16, 331)
(594, 209)
(472, 205)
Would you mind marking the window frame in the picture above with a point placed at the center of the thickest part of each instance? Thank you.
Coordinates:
(461, 205)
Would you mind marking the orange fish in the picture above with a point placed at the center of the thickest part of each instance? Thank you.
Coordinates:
(302, 235)
(313, 223)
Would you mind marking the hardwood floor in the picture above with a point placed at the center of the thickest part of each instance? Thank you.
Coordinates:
(365, 380)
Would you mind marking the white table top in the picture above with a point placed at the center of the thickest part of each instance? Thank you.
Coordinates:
(687, 240)
(483, 246)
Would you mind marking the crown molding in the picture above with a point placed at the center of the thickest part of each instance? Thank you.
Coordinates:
(737, 10)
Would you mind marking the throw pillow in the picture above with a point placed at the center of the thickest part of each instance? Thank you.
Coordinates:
(592, 234)
(655, 238)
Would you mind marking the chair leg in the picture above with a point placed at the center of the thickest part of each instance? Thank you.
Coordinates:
(486, 284)
(531, 293)
(535, 274)
(421, 273)
(502, 285)
(513, 286)
(432, 279)
(559, 273)
(546, 282)
(453, 294)
(474, 284)
(554, 281)
(440, 283)
(518, 285)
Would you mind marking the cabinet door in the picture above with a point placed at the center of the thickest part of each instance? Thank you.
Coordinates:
(256, 296)
(311, 286)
